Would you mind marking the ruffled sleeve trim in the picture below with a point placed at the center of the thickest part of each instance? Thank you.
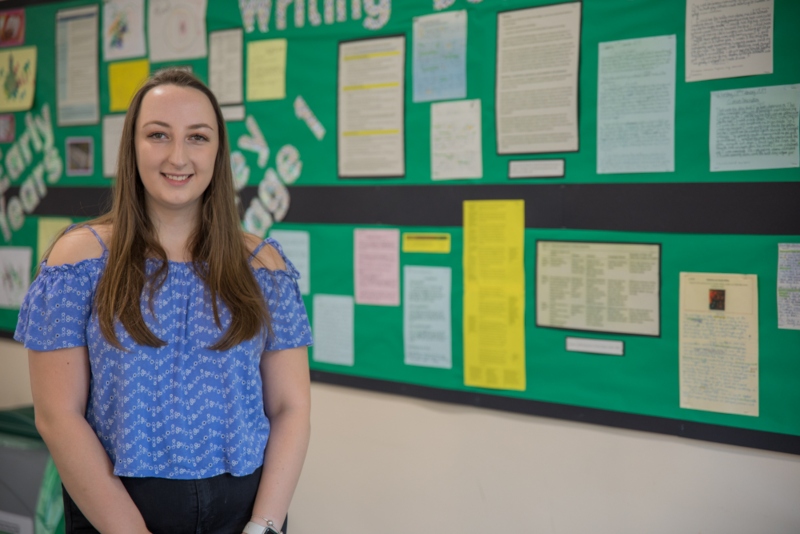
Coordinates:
(290, 325)
(57, 306)
(290, 269)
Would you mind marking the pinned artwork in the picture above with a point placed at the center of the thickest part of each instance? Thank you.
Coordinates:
(17, 78)
(8, 128)
(12, 27)
(80, 156)
(177, 29)
(15, 275)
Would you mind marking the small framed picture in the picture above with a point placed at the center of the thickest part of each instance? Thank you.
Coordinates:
(12, 27)
(80, 156)
(716, 299)
(8, 128)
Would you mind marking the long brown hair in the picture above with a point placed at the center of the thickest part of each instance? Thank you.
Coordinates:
(220, 255)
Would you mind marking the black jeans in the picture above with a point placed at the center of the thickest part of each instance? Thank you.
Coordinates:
(218, 505)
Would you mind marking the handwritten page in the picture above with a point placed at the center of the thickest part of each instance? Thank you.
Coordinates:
(76, 66)
(176, 29)
(112, 136)
(636, 106)
(333, 329)
(727, 38)
(124, 79)
(371, 122)
(602, 287)
(755, 128)
(718, 347)
(494, 294)
(537, 79)
(18, 78)
(225, 65)
(456, 148)
(123, 29)
(48, 229)
(377, 266)
(440, 56)
(789, 286)
(266, 70)
(427, 323)
(15, 275)
(296, 246)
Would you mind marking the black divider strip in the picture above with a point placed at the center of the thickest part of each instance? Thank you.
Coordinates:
(756, 439)
(724, 208)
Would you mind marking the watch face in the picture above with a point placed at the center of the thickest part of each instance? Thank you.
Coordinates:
(271, 530)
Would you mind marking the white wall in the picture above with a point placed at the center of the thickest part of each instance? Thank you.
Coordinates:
(380, 464)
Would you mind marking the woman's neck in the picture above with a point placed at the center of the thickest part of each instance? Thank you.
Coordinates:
(174, 231)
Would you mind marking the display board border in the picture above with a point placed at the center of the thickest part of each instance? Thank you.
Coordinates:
(741, 437)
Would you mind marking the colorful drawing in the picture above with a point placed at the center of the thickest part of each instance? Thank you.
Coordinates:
(8, 128)
(117, 30)
(716, 299)
(17, 78)
(12, 27)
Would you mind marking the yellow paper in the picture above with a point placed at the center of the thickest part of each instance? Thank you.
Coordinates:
(17, 78)
(49, 227)
(266, 70)
(124, 79)
(494, 294)
(431, 243)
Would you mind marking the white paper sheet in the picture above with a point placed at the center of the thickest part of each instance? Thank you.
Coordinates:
(123, 29)
(225, 62)
(333, 329)
(755, 128)
(727, 38)
(112, 135)
(636, 106)
(76, 66)
(537, 79)
(602, 287)
(456, 148)
(15, 275)
(789, 286)
(427, 324)
(296, 246)
(440, 56)
(176, 29)
(718, 346)
(370, 107)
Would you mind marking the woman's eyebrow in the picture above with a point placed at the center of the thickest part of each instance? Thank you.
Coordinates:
(190, 127)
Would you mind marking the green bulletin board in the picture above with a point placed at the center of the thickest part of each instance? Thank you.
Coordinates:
(724, 222)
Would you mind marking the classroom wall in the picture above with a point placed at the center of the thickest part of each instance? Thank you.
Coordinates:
(383, 464)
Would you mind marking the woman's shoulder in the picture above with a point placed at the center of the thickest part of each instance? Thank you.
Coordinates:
(80, 243)
(268, 256)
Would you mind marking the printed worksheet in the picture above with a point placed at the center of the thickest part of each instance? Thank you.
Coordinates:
(718, 346)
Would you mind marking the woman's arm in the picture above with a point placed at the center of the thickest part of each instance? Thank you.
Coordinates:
(287, 401)
(60, 387)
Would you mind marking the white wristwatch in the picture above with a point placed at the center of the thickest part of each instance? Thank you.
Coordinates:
(255, 528)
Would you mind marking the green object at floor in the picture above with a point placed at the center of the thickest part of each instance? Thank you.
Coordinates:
(50, 506)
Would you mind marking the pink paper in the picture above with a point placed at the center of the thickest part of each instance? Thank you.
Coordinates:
(377, 267)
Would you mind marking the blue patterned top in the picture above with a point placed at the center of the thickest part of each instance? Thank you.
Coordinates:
(181, 411)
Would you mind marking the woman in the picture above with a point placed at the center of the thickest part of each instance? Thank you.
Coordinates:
(155, 400)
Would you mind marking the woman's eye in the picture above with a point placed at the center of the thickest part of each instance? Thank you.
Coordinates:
(198, 137)
(157, 135)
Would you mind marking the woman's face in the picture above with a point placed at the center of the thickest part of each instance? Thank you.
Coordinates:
(176, 147)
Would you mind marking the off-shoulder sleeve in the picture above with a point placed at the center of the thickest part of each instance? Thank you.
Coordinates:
(57, 307)
(290, 326)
